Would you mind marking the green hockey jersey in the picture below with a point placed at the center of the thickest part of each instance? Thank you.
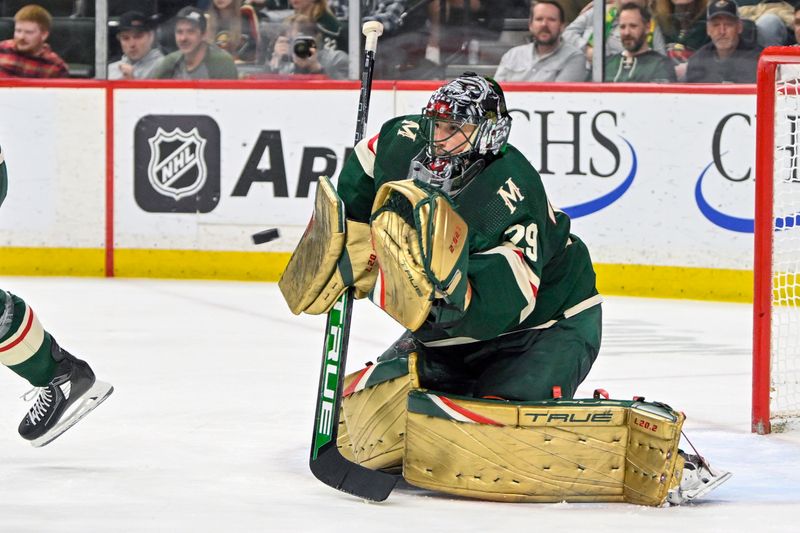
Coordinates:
(525, 268)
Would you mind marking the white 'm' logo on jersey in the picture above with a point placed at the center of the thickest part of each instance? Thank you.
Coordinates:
(510, 196)
(408, 129)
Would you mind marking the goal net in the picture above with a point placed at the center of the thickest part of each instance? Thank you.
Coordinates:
(776, 326)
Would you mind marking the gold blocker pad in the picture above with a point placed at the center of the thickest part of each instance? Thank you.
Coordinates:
(314, 260)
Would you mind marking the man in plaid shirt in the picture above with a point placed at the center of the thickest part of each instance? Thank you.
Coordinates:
(27, 55)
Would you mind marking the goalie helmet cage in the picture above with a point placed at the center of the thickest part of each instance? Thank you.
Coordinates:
(776, 298)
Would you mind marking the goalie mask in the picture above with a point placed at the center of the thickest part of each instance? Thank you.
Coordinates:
(465, 124)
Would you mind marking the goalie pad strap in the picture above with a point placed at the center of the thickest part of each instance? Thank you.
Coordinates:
(559, 450)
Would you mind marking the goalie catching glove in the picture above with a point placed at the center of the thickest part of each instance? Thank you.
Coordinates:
(421, 245)
(333, 254)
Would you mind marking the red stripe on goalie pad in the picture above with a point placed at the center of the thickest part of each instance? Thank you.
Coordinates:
(475, 417)
(353, 384)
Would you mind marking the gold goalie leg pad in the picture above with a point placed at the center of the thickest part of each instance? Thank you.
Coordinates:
(373, 417)
(551, 451)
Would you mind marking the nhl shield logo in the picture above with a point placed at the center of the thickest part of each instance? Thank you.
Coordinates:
(177, 165)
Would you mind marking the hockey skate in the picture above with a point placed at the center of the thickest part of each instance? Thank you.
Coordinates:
(70, 395)
(698, 479)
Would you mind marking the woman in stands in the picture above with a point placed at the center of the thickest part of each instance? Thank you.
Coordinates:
(234, 28)
(327, 24)
(683, 24)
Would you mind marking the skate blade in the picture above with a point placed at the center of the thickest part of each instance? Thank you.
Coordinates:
(705, 489)
(85, 404)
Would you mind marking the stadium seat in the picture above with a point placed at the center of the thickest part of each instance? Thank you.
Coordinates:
(457, 69)
(343, 42)
(57, 8)
(749, 32)
(514, 32)
(165, 36)
(6, 28)
(118, 7)
(73, 40)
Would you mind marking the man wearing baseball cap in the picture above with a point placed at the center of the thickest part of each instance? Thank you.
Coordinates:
(139, 57)
(727, 58)
(195, 58)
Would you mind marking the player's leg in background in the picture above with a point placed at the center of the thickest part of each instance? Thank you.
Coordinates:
(67, 388)
(526, 366)
(25, 347)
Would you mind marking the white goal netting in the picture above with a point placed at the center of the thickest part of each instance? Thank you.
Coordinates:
(785, 309)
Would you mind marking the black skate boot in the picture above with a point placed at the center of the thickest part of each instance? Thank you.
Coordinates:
(69, 396)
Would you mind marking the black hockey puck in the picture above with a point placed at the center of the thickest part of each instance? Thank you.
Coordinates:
(265, 236)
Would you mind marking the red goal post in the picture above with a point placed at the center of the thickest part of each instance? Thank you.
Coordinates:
(776, 299)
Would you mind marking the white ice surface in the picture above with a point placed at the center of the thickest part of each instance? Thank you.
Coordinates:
(210, 423)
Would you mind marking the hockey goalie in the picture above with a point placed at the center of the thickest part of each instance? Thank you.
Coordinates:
(447, 228)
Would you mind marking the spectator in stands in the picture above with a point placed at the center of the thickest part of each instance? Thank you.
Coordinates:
(298, 50)
(139, 57)
(390, 13)
(727, 58)
(407, 30)
(772, 18)
(234, 28)
(580, 32)
(637, 63)
(265, 6)
(683, 23)
(452, 25)
(195, 59)
(791, 72)
(547, 58)
(27, 54)
(328, 25)
(796, 23)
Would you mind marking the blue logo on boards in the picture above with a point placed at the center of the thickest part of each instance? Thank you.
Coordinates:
(717, 217)
(788, 222)
(736, 224)
(593, 206)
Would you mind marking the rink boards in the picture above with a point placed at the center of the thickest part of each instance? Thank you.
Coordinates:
(170, 180)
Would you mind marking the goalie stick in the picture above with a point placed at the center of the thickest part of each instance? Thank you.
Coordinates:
(326, 462)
